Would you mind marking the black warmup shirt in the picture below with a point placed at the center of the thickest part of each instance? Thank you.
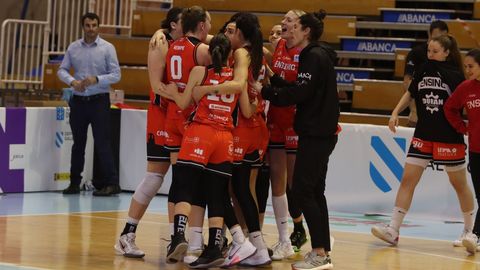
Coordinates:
(432, 85)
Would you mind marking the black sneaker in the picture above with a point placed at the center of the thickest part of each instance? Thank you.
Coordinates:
(108, 191)
(225, 246)
(298, 239)
(177, 248)
(72, 189)
(210, 257)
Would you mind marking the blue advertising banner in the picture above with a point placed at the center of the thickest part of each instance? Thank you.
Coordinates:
(412, 16)
(347, 76)
(374, 45)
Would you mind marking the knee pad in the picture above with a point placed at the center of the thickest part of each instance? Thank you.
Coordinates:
(148, 188)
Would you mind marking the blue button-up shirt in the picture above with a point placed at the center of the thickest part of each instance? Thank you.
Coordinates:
(96, 59)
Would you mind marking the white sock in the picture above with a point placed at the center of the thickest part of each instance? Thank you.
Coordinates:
(257, 240)
(280, 209)
(132, 221)
(195, 238)
(237, 234)
(468, 220)
(398, 215)
(172, 229)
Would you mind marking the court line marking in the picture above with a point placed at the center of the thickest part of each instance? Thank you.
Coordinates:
(21, 267)
(341, 241)
(408, 251)
(84, 213)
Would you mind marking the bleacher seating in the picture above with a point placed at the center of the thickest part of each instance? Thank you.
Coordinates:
(464, 40)
(367, 64)
(358, 7)
(146, 22)
(134, 81)
(377, 96)
(373, 119)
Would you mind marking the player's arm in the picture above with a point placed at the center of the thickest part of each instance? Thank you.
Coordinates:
(235, 86)
(156, 65)
(184, 99)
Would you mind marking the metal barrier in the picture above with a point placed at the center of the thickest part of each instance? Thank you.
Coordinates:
(65, 24)
(26, 46)
(22, 56)
(115, 14)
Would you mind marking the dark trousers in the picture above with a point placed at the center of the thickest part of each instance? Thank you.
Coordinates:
(474, 168)
(94, 110)
(309, 186)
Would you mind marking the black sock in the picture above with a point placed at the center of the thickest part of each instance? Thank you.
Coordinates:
(129, 228)
(298, 227)
(180, 224)
(215, 238)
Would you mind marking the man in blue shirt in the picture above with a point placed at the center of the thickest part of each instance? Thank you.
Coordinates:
(95, 66)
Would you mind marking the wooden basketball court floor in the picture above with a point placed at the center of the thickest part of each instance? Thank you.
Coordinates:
(52, 231)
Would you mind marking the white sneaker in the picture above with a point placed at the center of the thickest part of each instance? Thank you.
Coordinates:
(238, 253)
(312, 261)
(386, 233)
(126, 246)
(469, 241)
(192, 255)
(458, 242)
(282, 250)
(260, 258)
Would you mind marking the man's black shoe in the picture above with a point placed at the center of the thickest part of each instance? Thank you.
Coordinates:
(107, 191)
(211, 257)
(177, 248)
(72, 189)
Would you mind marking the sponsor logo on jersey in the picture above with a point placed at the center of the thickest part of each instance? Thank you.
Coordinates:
(432, 102)
(473, 104)
(219, 107)
(305, 75)
(284, 66)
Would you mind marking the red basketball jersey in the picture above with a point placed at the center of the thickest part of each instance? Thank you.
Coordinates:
(181, 58)
(216, 110)
(252, 94)
(285, 61)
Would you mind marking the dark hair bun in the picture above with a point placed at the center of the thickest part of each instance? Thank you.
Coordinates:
(320, 14)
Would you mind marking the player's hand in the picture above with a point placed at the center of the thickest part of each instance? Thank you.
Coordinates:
(393, 123)
(158, 39)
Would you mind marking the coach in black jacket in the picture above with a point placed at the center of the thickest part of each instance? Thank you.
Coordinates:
(316, 123)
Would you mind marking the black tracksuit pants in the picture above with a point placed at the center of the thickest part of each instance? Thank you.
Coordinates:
(309, 185)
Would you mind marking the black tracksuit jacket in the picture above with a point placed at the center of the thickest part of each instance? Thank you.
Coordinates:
(314, 92)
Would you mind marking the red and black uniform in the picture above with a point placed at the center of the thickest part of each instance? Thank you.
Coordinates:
(434, 138)
(280, 119)
(467, 95)
(181, 58)
(156, 113)
(251, 134)
(207, 141)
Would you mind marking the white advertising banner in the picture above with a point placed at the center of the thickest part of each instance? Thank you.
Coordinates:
(37, 143)
(133, 151)
(365, 172)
